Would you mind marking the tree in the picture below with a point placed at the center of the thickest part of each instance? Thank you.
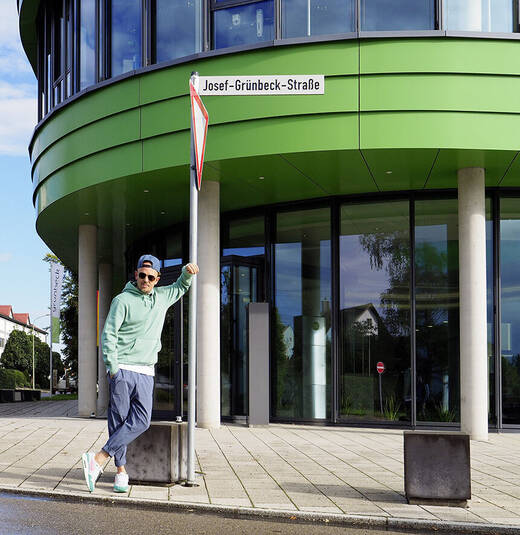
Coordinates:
(17, 355)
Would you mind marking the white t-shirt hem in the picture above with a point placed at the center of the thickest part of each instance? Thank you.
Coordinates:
(145, 370)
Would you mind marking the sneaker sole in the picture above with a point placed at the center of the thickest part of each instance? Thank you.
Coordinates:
(120, 489)
(84, 459)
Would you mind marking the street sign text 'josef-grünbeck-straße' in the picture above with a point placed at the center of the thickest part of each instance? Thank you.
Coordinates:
(293, 84)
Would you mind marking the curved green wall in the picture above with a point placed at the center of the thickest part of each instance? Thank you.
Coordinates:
(397, 114)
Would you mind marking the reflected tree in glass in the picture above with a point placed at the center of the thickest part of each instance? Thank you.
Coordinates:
(375, 311)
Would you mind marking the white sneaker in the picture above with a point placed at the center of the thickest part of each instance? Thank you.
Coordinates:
(121, 482)
(91, 470)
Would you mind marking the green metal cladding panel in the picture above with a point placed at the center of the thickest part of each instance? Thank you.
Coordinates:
(397, 114)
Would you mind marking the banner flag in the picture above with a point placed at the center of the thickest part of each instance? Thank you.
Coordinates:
(56, 283)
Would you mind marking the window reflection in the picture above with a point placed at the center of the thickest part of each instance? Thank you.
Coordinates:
(317, 17)
(301, 315)
(510, 305)
(437, 310)
(87, 43)
(241, 284)
(489, 311)
(177, 29)
(375, 311)
(478, 15)
(388, 15)
(125, 36)
(242, 25)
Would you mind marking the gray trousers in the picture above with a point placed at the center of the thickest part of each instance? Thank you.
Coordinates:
(129, 411)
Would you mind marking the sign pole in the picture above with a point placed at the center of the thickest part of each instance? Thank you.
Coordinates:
(380, 367)
(50, 337)
(192, 318)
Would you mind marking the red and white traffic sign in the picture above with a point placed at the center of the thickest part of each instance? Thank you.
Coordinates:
(380, 366)
(199, 125)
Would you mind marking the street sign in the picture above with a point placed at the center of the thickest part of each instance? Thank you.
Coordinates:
(293, 84)
(380, 366)
(199, 125)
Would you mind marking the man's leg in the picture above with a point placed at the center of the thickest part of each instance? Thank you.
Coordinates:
(140, 389)
(118, 408)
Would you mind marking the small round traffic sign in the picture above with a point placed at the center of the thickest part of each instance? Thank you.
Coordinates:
(380, 367)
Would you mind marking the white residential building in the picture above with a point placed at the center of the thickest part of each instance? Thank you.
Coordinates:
(10, 321)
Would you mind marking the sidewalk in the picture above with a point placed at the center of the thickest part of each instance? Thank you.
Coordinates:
(341, 472)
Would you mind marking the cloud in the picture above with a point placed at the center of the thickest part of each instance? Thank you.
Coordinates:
(5, 257)
(12, 58)
(18, 101)
(18, 110)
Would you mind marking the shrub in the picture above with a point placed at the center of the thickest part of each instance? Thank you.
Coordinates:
(12, 379)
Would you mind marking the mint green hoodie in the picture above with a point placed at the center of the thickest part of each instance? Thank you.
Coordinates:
(132, 332)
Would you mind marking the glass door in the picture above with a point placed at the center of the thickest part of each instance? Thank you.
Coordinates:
(168, 389)
(241, 279)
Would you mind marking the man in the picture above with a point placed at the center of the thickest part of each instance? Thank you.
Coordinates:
(130, 342)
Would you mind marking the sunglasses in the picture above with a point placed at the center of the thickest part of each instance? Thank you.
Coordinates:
(151, 278)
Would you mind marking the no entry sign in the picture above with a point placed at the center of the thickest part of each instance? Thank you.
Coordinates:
(380, 366)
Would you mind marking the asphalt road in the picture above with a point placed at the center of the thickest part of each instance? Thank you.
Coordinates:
(22, 515)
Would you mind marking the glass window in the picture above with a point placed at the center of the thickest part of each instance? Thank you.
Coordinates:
(87, 50)
(317, 17)
(178, 28)
(241, 284)
(125, 36)
(478, 15)
(301, 321)
(510, 305)
(437, 310)
(173, 249)
(375, 312)
(490, 306)
(243, 25)
(388, 15)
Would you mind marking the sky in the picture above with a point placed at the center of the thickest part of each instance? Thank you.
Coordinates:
(24, 276)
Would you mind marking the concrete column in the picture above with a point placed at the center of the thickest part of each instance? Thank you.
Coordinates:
(473, 320)
(87, 286)
(208, 307)
(105, 298)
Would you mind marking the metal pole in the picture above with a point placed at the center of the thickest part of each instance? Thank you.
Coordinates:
(380, 394)
(50, 336)
(33, 384)
(192, 318)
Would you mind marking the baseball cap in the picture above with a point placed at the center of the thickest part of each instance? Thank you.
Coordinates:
(156, 263)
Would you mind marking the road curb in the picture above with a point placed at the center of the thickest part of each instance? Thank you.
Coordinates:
(345, 520)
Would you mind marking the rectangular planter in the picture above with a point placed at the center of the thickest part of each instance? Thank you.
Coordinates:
(437, 467)
(31, 395)
(159, 455)
(8, 395)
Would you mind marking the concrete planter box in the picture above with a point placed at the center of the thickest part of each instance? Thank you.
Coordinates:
(437, 468)
(8, 395)
(159, 455)
(31, 395)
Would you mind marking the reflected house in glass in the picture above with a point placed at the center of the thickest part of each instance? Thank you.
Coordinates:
(380, 220)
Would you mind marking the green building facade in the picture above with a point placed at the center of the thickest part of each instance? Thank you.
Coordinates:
(380, 220)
